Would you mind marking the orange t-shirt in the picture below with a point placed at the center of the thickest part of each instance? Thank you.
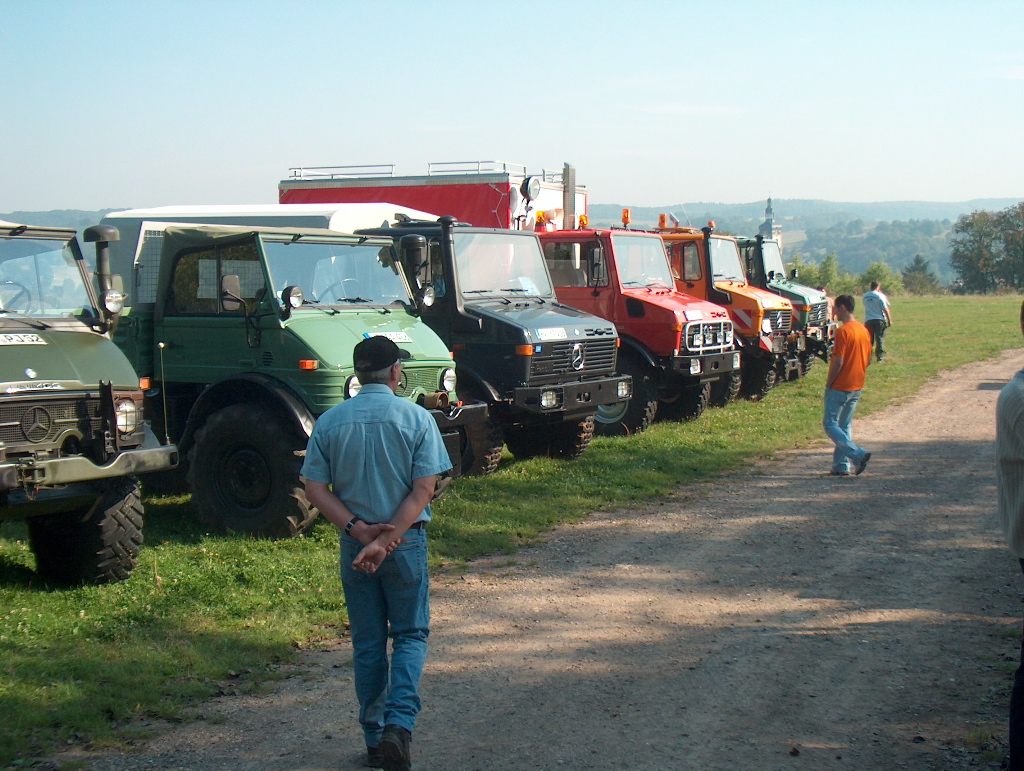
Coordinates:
(853, 344)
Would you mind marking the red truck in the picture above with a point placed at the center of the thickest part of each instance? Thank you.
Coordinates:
(673, 345)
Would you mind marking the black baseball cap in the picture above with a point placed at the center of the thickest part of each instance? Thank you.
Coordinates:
(377, 352)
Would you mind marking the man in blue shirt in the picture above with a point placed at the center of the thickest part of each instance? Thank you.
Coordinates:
(381, 454)
(877, 317)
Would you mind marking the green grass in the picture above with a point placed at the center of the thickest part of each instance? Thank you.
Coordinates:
(78, 664)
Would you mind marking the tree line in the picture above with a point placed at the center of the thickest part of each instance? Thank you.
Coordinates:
(915, 278)
(987, 250)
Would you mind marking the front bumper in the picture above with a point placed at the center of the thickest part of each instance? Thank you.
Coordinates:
(152, 456)
(450, 420)
(575, 398)
(707, 367)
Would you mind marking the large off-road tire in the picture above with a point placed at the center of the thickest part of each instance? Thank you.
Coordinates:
(484, 440)
(806, 362)
(725, 389)
(96, 545)
(567, 440)
(759, 380)
(689, 403)
(244, 474)
(636, 415)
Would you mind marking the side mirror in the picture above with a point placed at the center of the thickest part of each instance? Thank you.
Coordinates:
(771, 275)
(794, 273)
(231, 294)
(598, 267)
(413, 255)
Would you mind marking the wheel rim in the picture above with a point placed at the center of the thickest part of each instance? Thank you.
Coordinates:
(611, 413)
(245, 479)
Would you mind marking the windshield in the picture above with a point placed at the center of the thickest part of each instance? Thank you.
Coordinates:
(641, 261)
(40, 277)
(335, 274)
(772, 259)
(725, 260)
(500, 263)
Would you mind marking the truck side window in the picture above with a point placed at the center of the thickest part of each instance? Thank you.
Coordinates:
(690, 262)
(195, 283)
(568, 263)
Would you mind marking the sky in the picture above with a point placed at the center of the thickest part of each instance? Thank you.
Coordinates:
(116, 103)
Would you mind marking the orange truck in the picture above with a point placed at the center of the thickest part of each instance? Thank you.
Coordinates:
(708, 265)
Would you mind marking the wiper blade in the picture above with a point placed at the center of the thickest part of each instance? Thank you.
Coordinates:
(354, 300)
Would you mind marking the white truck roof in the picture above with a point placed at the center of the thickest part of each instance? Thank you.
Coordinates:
(340, 217)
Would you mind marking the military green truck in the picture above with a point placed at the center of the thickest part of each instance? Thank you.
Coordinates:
(247, 333)
(762, 258)
(72, 434)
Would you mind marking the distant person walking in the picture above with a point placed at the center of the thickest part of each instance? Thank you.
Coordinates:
(877, 317)
(382, 455)
(1010, 484)
(830, 304)
(847, 369)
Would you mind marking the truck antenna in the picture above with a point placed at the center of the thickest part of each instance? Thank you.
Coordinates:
(163, 391)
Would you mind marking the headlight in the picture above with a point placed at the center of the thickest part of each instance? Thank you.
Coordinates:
(624, 388)
(548, 399)
(113, 301)
(766, 327)
(698, 340)
(694, 366)
(735, 361)
(352, 386)
(448, 380)
(127, 416)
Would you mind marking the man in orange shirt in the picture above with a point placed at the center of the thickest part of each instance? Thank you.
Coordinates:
(851, 354)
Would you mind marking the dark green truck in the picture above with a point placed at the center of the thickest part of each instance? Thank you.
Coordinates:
(247, 333)
(762, 258)
(72, 434)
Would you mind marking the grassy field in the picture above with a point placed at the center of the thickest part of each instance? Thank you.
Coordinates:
(201, 610)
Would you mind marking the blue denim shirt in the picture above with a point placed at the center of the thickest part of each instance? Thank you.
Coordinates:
(371, 447)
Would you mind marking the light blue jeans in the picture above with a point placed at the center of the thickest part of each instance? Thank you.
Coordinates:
(839, 409)
(395, 602)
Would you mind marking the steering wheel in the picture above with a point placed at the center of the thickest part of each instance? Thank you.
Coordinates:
(22, 290)
(340, 282)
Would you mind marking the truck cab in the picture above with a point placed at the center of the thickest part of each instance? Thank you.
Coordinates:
(543, 367)
(674, 345)
(708, 265)
(72, 428)
(247, 333)
(765, 269)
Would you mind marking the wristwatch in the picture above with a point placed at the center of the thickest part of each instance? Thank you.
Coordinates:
(351, 524)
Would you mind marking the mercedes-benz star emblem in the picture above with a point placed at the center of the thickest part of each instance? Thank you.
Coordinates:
(35, 424)
(578, 356)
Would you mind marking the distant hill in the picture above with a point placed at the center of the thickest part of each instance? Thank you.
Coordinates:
(807, 212)
(59, 218)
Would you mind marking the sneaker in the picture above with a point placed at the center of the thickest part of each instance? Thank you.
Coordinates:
(863, 463)
(374, 757)
(834, 473)
(394, 747)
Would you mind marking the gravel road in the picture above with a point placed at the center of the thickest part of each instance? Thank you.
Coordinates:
(782, 619)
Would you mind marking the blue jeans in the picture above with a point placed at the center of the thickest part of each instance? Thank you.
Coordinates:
(393, 601)
(839, 409)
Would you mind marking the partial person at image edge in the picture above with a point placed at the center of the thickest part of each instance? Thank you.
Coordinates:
(381, 454)
(1010, 487)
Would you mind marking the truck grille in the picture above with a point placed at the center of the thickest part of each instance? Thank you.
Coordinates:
(781, 320)
(583, 357)
(35, 424)
(707, 336)
(818, 316)
(419, 380)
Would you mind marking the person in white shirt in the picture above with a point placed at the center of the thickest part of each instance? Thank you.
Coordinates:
(877, 317)
(1010, 486)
